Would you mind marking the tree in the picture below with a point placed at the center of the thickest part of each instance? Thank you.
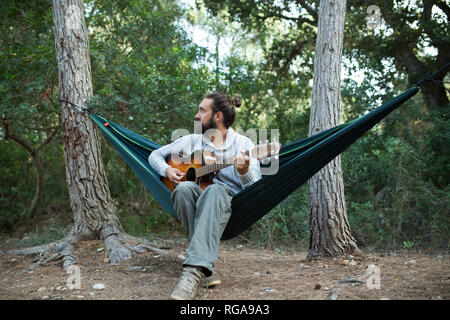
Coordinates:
(396, 47)
(404, 33)
(91, 202)
(35, 153)
(329, 229)
(28, 108)
(93, 208)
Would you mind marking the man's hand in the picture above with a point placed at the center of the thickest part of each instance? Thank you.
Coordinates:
(242, 162)
(175, 175)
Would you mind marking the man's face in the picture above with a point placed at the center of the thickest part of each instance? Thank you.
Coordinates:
(205, 115)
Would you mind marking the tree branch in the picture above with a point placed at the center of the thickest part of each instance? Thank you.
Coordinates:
(49, 138)
(310, 10)
(23, 142)
(426, 18)
(33, 150)
(41, 129)
(300, 20)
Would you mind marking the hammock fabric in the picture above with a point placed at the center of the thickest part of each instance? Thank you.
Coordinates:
(298, 161)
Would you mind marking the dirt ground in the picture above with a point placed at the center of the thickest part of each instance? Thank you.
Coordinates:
(246, 272)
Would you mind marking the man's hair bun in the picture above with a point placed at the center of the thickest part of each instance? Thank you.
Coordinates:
(225, 104)
(236, 102)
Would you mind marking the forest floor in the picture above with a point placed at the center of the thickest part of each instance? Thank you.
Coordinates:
(246, 271)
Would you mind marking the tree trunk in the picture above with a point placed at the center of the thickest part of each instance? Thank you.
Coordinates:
(92, 205)
(39, 185)
(329, 229)
(434, 95)
(217, 63)
(90, 199)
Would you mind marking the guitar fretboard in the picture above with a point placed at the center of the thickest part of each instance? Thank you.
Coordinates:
(209, 168)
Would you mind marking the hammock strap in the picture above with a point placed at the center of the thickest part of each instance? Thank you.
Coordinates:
(431, 76)
(86, 110)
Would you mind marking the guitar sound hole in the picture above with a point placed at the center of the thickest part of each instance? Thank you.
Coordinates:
(190, 174)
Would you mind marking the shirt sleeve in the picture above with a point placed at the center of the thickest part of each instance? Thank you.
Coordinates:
(157, 158)
(254, 171)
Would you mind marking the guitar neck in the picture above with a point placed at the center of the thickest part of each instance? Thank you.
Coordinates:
(210, 168)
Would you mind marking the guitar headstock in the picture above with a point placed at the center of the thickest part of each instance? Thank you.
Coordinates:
(266, 150)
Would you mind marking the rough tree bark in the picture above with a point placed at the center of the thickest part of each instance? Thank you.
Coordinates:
(93, 208)
(329, 229)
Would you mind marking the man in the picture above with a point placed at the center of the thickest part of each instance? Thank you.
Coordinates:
(205, 213)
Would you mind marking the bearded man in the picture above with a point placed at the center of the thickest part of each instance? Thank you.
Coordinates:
(205, 213)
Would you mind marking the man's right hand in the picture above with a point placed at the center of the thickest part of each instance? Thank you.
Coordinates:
(175, 175)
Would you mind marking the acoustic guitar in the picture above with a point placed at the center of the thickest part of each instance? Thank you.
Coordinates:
(201, 165)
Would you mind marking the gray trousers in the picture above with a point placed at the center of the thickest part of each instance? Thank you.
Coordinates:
(204, 215)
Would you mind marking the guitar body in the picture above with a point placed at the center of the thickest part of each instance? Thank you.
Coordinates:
(187, 165)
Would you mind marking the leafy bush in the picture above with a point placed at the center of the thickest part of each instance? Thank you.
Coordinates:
(394, 192)
(286, 224)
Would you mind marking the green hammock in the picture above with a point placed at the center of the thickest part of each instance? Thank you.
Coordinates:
(298, 161)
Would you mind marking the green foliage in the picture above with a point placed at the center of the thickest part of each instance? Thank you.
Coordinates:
(11, 192)
(393, 187)
(407, 244)
(286, 223)
(435, 148)
(28, 108)
(144, 68)
(141, 215)
(148, 77)
(28, 78)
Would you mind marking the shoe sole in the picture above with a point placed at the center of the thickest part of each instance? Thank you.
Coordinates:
(212, 283)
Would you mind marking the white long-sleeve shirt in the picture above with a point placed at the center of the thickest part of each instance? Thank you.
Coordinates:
(228, 176)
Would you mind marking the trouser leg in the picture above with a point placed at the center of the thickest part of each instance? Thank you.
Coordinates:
(185, 198)
(213, 210)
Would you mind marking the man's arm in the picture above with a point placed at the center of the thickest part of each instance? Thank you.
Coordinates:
(157, 158)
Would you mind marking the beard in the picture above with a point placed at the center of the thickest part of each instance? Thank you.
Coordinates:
(211, 124)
